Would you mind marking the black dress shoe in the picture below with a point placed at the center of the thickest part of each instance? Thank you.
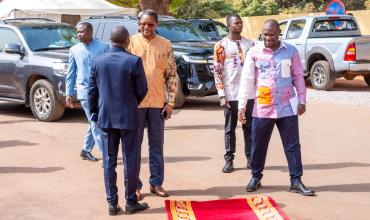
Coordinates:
(228, 167)
(300, 188)
(253, 184)
(87, 156)
(113, 209)
(136, 207)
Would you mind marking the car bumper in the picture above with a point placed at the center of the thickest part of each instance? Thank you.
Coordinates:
(360, 67)
(201, 81)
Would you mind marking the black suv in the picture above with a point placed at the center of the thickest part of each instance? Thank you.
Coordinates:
(34, 64)
(213, 29)
(193, 51)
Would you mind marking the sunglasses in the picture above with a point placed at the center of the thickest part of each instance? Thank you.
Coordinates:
(147, 24)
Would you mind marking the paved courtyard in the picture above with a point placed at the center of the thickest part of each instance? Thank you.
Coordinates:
(42, 176)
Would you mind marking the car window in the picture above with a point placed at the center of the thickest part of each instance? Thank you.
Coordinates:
(53, 37)
(108, 29)
(282, 27)
(210, 30)
(223, 31)
(335, 25)
(8, 36)
(95, 25)
(180, 32)
(295, 29)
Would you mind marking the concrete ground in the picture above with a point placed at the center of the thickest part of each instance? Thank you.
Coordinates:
(42, 176)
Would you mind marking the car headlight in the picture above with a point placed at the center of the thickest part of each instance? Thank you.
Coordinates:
(194, 59)
(60, 68)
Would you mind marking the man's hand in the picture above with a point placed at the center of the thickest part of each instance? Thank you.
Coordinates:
(301, 109)
(69, 101)
(242, 117)
(223, 102)
(167, 108)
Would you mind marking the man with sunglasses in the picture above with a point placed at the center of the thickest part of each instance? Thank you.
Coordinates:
(160, 70)
(228, 62)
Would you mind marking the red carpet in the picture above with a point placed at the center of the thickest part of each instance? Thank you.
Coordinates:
(255, 208)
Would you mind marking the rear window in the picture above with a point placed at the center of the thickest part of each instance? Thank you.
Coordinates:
(335, 25)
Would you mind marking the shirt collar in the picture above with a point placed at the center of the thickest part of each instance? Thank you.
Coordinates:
(90, 44)
(261, 45)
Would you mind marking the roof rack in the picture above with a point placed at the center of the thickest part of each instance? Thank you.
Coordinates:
(113, 16)
(5, 21)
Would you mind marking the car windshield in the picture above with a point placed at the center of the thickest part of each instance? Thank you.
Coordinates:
(180, 32)
(50, 37)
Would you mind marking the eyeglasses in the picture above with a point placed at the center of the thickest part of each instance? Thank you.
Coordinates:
(147, 24)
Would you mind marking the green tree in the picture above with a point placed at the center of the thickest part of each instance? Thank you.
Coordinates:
(256, 7)
(201, 8)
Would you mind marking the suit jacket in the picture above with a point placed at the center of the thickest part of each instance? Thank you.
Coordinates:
(117, 86)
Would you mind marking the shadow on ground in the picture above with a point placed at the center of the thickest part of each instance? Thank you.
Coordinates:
(15, 143)
(7, 170)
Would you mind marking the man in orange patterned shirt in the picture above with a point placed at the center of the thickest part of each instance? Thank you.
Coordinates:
(160, 70)
(228, 61)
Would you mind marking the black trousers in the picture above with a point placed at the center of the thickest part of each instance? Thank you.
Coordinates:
(231, 121)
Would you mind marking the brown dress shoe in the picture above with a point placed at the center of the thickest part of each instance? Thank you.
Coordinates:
(159, 191)
(139, 195)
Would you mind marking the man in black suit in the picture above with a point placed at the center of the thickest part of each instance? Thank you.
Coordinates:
(117, 86)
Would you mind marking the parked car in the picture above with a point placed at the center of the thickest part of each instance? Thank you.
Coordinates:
(330, 47)
(192, 49)
(34, 64)
(215, 30)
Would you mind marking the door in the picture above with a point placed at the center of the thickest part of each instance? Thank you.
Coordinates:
(294, 35)
(10, 83)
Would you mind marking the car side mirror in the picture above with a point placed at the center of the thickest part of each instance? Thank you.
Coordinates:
(13, 49)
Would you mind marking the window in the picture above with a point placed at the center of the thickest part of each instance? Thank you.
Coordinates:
(282, 27)
(295, 29)
(108, 29)
(95, 25)
(180, 32)
(53, 37)
(210, 30)
(335, 25)
(8, 37)
(223, 31)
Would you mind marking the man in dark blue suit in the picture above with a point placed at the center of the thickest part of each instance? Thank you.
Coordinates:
(117, 86)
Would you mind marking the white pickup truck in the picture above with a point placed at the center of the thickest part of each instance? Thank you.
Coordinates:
(330, 47)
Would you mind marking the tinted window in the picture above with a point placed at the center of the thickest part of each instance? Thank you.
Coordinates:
(210, 30)
(8, 37)
(49, 37)
(335, 25)
(222, 30)
(180, 32)
(295, 29)
(282, 27)
(108, 29)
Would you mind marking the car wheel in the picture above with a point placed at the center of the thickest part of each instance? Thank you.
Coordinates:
(180, 97)
(322, 78)
(44, 105)
(367, 80)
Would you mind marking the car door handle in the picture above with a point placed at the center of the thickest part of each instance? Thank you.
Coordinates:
(298, 44)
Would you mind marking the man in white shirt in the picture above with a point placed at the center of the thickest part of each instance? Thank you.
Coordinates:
(228, 61)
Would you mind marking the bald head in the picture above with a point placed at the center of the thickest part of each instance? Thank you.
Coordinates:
(271, 24)
(119, 36)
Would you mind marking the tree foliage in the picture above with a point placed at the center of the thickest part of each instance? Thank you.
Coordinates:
(221, 8)
(201, 8)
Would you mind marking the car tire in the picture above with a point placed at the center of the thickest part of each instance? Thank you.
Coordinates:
(43, 101)
(367, 80)
(322, 78)
(180, 98)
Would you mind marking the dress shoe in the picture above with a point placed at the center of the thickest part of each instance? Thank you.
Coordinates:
(300, 188)
(159, 191)
(139, 195)
(136, 207)
(87, 156)
(253, 184)
(228, 167)
(113, 209)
